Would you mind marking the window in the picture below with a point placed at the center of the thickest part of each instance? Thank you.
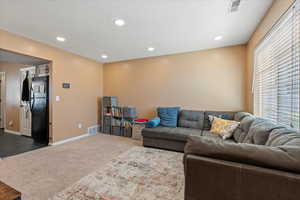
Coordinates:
(276, 71)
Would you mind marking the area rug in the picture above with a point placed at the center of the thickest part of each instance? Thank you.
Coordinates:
(138, 174)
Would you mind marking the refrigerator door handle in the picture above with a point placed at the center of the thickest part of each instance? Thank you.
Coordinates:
(32, 100)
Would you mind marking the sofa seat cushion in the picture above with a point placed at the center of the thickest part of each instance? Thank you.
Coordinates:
(209, 134)
(168, 133)
(284, 157)
(214, 136)
(191, 119)
(284, 136)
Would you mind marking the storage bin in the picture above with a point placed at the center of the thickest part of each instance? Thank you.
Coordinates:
(116, 130)
(127, 131)
(107, 120)
(137, 131)
(129, 113)
(109, 101)
(106, 129)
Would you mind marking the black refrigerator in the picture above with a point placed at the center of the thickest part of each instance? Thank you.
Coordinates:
(39, 105)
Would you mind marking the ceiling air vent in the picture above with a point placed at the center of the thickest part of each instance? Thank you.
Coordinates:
(234, 5)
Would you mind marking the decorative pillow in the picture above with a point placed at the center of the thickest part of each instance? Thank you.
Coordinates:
(228, 132)
(168, 116)
(224, 128)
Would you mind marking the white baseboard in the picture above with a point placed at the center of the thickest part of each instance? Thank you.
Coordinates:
(94, 129)
(12, 132)
(72, 139)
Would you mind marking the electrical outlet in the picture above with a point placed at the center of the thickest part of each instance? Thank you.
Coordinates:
(80, 125)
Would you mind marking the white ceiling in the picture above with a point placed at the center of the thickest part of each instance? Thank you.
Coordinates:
(6, 56)
(171, 26)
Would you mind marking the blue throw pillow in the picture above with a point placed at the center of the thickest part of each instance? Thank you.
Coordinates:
(222, 116)
(153, 123)
(168, 116)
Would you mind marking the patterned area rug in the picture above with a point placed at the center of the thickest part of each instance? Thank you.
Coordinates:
(138, 174)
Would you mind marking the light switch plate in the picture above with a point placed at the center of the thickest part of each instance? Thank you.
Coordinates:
(57, 98)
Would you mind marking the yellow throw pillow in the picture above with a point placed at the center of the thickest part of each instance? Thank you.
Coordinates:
(224, 128)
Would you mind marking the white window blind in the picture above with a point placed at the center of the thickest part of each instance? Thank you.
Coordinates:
(276, 71)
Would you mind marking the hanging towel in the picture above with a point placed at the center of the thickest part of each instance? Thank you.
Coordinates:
(25, 89)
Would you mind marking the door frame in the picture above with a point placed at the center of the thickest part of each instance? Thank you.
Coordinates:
(51, 86)
(3, 100)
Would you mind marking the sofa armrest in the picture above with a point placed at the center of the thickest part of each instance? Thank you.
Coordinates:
(285, 158)
(209, 178)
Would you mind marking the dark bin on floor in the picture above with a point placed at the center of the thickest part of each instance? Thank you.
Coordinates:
(116, 130)
(106, 129)
(127, 131)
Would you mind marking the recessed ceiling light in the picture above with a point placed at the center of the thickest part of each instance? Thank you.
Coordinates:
(151, 48)
(60, 39)
(219, 37)
(104, 56)
(119, 22)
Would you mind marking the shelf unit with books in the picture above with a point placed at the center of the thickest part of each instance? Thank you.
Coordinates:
(117, 120)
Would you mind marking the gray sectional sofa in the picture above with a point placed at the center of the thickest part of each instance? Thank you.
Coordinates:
(261, 160)
(190, 123)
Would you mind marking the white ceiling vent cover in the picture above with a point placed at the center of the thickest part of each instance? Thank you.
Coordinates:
(234, 5)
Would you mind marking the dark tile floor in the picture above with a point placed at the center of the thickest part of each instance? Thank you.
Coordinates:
(11, 144)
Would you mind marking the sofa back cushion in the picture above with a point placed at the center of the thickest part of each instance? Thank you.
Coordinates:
(168, 116)
(239, 116)
(241, 132)
(284, 137)
(191, 119)
(260, 130)
(220, 114)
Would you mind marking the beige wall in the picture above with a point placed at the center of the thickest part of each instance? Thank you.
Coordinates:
(277, 9)
(80, 104)
(209, 79)
(12, 99)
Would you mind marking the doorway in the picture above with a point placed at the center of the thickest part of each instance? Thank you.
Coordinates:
(25, 111)
(24, 105)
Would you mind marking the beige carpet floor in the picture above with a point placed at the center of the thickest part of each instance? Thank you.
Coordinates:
(42, 173)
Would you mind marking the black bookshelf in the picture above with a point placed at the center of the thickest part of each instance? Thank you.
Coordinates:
(117, 120)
